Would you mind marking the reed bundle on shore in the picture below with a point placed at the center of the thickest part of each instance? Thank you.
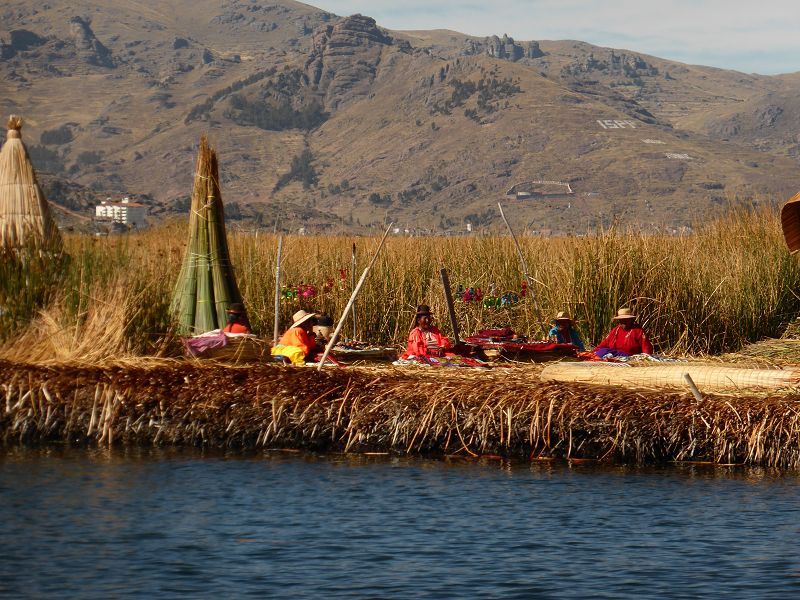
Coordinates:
(206, 285)
(360, 409)
(708, 377)
(25, 219)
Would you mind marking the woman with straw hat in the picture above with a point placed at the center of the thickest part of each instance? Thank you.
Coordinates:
(626, 339)
(564, 332)
(299, 342)
(425, 339)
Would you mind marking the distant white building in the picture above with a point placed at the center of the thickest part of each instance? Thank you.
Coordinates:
(126, 212)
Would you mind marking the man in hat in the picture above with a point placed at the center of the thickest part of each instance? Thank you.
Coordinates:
(237, 321)
(564, 332)
(425, 339)
(299, 342)
(626, 338)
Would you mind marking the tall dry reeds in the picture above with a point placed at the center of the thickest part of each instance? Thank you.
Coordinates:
(729, 283)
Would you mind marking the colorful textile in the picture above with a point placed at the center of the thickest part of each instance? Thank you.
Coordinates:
(573, 338)
(632, 341)
(417, 345)
(451, 360)
(197, 345)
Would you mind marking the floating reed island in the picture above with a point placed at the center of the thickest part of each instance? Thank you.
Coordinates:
(506, 412)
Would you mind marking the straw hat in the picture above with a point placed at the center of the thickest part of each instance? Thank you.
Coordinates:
(624, 313)
(562, 316)
(301, 317)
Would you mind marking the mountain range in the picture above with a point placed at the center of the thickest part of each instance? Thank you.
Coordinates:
(335, 124)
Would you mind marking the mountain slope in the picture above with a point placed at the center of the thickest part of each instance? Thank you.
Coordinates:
(337, 124)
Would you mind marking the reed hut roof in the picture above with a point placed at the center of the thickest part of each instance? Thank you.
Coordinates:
(25, 217)
(790, 222)
(206, 285)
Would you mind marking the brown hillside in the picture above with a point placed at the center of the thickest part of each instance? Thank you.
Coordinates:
(428, 129)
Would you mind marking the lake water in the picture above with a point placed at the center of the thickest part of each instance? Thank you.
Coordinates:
(162, 523)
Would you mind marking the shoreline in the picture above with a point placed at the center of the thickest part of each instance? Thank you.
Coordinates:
(506, 413)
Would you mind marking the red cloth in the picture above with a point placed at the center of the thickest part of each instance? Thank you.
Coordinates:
(236, 328)
(633, 341)
(416, 342)
(297, 336)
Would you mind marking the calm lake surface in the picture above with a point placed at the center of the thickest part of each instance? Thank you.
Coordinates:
(166, 523)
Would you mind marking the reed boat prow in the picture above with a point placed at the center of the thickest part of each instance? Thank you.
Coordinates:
(790, 223)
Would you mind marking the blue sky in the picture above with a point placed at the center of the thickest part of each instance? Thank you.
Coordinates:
(750, 36)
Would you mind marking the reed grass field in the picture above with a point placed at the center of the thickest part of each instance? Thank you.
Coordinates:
(729, 283)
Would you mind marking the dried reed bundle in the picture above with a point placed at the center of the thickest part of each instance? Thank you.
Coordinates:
(709, 378)
(206, 284)
(25, 218)
(503, 412)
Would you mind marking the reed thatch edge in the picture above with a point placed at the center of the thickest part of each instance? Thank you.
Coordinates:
(429, 412)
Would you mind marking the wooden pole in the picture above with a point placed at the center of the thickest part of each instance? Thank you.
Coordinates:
(695, 392)
(277, 290)
(353, 286)
(448, 296)
(340, 324)
(528, 278)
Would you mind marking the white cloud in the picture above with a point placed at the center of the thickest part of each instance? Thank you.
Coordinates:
(733, 34)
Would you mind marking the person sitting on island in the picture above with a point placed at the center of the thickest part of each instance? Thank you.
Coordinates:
(298, 343)
(425, 339)
(237, 321)
(564, 332)
(626, 339)
(323, 329)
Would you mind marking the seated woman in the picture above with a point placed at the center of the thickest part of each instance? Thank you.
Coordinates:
(564, 332)
(625, 339)
(299, 342)
(237, 321)
(425, 339)
(323, 329)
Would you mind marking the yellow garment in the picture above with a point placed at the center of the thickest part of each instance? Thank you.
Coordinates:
(293, 353)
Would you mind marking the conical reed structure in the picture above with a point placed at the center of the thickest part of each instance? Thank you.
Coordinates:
(25, 218)
(206, 285)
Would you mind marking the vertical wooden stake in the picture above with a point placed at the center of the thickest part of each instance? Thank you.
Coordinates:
(690, 382)
(448, 296)
(353, 286)
(277, 290)
(531, 289)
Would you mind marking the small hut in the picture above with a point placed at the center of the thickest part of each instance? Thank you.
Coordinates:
(206, 284)
(25, 218)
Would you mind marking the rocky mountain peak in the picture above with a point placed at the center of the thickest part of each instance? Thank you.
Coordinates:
(88, 47)
(344, 58)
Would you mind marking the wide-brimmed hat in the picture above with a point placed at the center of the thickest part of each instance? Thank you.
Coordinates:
(562, 316)
(301, 317)
(624, 313)
(423, 309)
(236, 308)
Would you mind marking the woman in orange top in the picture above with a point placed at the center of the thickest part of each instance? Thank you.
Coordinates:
(237, 319)
(299, 341)
(425, 339)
